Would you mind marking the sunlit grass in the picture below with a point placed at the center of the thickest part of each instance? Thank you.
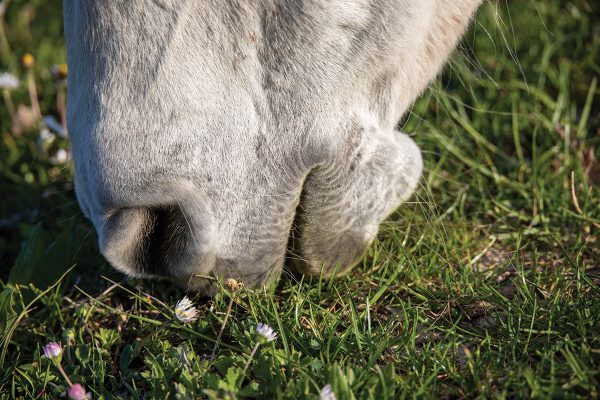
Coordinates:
(485, 284)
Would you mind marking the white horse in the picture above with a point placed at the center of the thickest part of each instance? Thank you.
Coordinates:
(213, 137)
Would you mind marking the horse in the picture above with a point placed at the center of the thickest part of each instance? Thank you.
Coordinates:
(218, 139)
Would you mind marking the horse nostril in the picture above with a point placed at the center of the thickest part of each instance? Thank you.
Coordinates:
(144, 241)
(166, 240)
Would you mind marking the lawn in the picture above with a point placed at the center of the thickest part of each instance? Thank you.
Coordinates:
(486, 284)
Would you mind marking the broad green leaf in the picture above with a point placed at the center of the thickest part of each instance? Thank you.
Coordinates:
(42, 261)
(31, 256)
(126, 357)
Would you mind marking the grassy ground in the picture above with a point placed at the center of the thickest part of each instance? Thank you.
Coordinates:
(485, 285)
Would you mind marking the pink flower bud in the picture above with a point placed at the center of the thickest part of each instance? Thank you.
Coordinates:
(77, 392)
(53, 350)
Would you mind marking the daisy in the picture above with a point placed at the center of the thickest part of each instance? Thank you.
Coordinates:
(8, 81)
(266, 333)
(53, 351)
(77, 392)
(185, 310)
(327, 393)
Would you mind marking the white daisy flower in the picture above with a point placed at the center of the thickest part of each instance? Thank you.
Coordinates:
(60, 157)
(327, 393)
(185, 310)
(8, 81)
(265, 333)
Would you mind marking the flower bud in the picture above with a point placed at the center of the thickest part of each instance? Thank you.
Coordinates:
(27, 61)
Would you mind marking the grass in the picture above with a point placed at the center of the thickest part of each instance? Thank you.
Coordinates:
(485, 285)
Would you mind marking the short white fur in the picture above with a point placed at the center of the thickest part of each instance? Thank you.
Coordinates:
(211, 138)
